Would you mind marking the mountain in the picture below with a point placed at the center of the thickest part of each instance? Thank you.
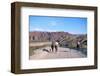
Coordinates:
(47, 36)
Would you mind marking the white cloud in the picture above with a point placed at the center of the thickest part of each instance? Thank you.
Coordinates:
(40, 29)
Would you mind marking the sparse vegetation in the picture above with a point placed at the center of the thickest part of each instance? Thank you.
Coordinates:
(33, 48)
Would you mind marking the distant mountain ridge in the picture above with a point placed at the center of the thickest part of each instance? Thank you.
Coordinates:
(47, 36)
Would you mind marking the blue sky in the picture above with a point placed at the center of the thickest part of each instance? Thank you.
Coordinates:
(74, 25)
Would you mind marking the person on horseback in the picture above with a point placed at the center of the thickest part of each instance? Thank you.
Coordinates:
(54, 45)
(78, 44)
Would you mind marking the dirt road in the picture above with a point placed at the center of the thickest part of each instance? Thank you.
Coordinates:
(45, 53)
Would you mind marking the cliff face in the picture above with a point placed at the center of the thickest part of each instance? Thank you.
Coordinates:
(64, 38)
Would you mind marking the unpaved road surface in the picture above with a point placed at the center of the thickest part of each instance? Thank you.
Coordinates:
(46, 53)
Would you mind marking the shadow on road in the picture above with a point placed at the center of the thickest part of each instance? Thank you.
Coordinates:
(46, 50)
(82, 50)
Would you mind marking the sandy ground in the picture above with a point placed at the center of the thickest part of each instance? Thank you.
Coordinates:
(46, 53)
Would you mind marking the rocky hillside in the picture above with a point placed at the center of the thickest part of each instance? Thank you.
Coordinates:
(65, 39)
